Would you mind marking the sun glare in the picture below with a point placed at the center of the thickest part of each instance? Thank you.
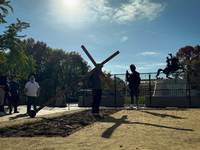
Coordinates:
(71, 3)
(70, 12)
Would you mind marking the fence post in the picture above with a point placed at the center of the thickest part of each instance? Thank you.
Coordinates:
(150, 89)
(188, 83)
(115, 90)
(84, 93)
(54, 92)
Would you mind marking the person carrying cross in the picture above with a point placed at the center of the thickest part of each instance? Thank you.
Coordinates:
(97, 90)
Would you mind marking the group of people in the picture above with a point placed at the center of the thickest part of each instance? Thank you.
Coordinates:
(9, 91)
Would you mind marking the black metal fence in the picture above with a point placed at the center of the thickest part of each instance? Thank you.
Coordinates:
(182, 85)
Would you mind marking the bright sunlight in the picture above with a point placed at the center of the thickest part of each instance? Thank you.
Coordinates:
(71, 3)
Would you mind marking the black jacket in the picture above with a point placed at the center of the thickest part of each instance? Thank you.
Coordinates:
(133, 79)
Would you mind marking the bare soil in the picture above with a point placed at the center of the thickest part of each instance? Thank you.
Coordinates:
(60, 126)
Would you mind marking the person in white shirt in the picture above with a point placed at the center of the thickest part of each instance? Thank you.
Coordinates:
(32, 91)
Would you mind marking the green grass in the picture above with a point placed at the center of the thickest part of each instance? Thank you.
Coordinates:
(140, 100)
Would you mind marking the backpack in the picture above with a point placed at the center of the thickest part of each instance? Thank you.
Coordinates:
(91, 81)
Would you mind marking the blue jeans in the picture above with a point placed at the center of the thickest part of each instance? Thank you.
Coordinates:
(31, 101)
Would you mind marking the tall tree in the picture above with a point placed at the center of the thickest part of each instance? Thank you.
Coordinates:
(66, 67)
(189, 58)
(3, 4)
(41, 53)
(14, 59)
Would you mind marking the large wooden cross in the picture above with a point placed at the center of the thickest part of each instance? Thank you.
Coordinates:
(32, 113)
(95, 64)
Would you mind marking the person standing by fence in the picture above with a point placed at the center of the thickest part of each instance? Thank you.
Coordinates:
(14, 87)
(4, 88)
(32, 91)
(134, 82)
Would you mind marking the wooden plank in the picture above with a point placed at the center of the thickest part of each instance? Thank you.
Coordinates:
(109, 58)
(88, 54)
(93, 61)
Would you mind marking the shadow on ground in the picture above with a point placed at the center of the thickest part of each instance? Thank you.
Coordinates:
(118, 122)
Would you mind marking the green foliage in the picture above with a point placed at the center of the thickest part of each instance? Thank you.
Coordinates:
(10, 38)
(141, 100)
(14, 59)
(65, 68)
(17, 62)
(40, 52)
(3, 4)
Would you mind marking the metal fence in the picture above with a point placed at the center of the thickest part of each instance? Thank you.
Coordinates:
(182, 85)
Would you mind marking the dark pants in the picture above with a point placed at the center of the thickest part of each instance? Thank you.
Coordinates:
(13, 102)
(134, 92)
(96, 100)
(2, 108)
(31, 101)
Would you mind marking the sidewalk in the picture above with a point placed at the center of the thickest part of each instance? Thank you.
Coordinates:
(46, 110)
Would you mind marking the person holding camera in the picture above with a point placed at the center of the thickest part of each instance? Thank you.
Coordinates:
(134, 82)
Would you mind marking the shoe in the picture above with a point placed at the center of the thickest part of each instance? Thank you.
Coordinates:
(95, 114)
(16, 112)
(137, 108)
(99, 116)
(130, 108)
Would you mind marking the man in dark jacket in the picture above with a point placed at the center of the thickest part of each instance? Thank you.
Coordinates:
(14, 87)
(134, 82)
(4, 87)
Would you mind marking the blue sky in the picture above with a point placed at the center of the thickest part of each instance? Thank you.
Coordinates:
(144, 31)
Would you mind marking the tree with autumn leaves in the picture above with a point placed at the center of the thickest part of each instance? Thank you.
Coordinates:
(189, 58)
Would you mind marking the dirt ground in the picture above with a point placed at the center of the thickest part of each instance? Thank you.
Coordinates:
(59, 126)
(122, 129)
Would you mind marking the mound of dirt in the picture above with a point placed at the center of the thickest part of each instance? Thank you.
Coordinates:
(61, 126)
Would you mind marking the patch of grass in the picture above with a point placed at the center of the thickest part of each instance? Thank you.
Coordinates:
(128, 100)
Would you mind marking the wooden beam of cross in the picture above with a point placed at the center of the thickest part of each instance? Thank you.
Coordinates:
(32, 113)
(95, 64)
